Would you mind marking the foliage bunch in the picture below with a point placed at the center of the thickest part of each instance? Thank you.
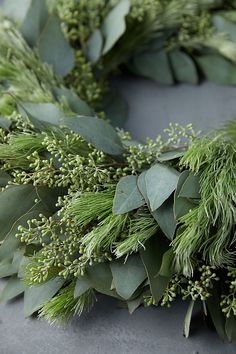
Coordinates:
(97, 211)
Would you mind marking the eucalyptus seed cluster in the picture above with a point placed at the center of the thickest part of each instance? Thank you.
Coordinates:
(82, 79)
(228, 302)
(197, 287)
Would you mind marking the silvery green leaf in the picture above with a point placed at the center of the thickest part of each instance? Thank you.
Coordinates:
(187, 320)
(230, 328)
(114, 24)
(170, 155)
(135, 303)
(36, 296)
(34, 21)
(152, 259)
(161, 181)
(54, 49)
(13, 288)
(82, 285)
(11, 9)
(141, 183)
(76, 104)
(183, 67)
(127, 196)
(182, 205)
(94, 46)
(127, 276)
(164, 216)
(154, 66)
(217, 69)
(190, 187)
(167, 269)
(225, 26)
(5, 123)
(43, 30)
(4, 178)
(9, 198)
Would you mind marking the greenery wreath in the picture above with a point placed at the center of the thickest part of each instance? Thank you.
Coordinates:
(84, 209)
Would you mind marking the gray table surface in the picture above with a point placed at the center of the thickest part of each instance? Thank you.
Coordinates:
(108, 329)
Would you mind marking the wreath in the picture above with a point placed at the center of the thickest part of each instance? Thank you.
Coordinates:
(84, 208)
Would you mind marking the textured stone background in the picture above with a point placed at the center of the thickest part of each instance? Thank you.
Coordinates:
(108, 329)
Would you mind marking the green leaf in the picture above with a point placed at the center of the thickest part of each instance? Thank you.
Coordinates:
(5, 123)
(34, 21)
(116, 108)
(36, 296)
(167, 267)
(97, 132)
(217, 69)
(152, 259)
(76, 104)
(187, 320)
(190, 187)
(215, 310)
(49, 197)
(164, 216)
(9, 198)
(127, 196)
(81, 286)
(54, 49)
(154, 66)
(114, 24)
(183, 67)
(141, 183)
(182, 205)
(7, 269)
(43, 30)
(94, 130)
(127, 276)
(4, 178)
(161, 181)
(230, 328)
(11, 9)
(13, 288)
(170, 155)
(225, 26)
(135, 303)
(94, 46)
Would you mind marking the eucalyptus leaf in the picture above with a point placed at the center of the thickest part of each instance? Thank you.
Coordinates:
(94, 130)
(76, 104)
(13, 288)
(167, 267)
(36, 296)
(190, 187)
(11, 9)
(183, 67)
(114, 24)
(128, 276)
(7, 268)
(34, 22)
(187, 320)
(94, 46)
(5, 123)
(82, 285)
(230, 328)
(161, 181)
(9, 198)
(217, 69)
(152, 259)
(170, 155)
(4, 178)
(165, 218)
(215, 310)
(154, 66)
(182, 205)
(225, 26)
(135, 303)
(141, 183)
(127, 196)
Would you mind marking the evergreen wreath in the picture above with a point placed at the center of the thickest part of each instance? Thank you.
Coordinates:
(84, 209)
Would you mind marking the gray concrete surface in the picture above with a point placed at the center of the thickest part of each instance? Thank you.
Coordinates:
(108, 329)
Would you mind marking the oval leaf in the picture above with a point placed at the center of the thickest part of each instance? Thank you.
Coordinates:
(183, 67)
(127, 196)
(161, 181)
